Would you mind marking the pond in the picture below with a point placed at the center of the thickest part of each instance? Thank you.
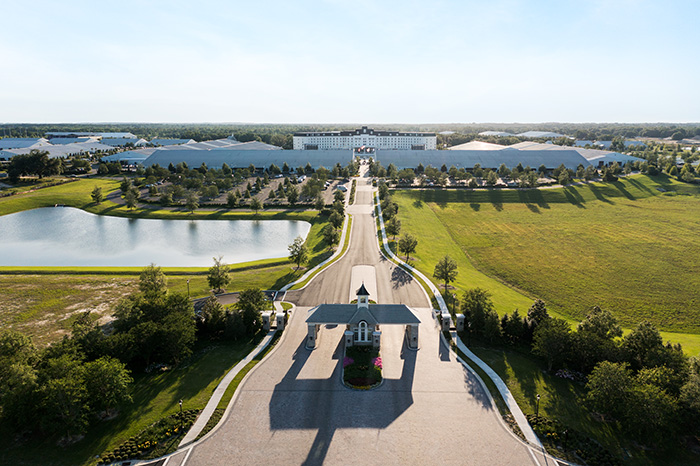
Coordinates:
(63, 236)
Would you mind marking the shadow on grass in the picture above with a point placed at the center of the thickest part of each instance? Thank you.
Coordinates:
(496, 199)
(598, 193)
(475, 207)
(574, 197)
(621, 187)
(533, 196)
(286, 278)
(640, 186)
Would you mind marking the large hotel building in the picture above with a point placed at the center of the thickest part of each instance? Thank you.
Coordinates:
(364, 138)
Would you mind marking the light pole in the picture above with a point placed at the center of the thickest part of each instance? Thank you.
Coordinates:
(188, 295)
(180, 406)
(454, 301)
(537, 409)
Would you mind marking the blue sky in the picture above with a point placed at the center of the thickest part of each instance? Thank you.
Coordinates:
(350, 61)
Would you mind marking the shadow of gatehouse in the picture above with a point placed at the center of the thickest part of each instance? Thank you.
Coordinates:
(325, 405)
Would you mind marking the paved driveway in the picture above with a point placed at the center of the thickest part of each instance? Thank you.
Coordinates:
(293, 409)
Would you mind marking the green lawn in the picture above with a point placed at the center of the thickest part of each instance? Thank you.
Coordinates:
(74, 194)
(625, 246)
(154, 397)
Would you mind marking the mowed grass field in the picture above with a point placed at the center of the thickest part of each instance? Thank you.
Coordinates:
(626, 246)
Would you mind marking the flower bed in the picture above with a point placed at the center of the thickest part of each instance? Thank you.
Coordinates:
(156, 440)
(362, 367)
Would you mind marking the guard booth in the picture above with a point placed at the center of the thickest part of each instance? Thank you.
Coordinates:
(362, 321)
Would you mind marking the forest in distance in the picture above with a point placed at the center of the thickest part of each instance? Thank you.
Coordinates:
(281, 134)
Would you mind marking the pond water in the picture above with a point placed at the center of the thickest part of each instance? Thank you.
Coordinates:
(63, 236)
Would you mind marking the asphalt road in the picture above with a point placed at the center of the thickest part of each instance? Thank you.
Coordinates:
(294, 409)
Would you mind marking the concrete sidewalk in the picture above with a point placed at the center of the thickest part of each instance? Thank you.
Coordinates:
(204, 416)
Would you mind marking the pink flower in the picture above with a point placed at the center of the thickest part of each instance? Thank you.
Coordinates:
(347, 361)
(377, 362)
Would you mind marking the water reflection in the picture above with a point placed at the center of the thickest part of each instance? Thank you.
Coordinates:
(66, 236)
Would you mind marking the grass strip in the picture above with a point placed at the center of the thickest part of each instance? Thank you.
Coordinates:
(228, 394)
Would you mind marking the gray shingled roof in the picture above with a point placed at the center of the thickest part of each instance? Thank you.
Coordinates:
(350, 313)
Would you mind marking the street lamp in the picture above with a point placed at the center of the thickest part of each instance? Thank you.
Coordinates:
(454, 301)
(537, 408)
(180, 406)
(188, 295)
(469, 333)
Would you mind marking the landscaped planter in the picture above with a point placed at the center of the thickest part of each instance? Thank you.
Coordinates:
(362, 367)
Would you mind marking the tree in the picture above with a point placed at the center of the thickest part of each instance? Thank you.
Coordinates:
(331, 235)
(131, 199)
(212, 317)
(491, 178)
(608, 388)
(256, 205)
(125, 185)
(336, 219)
(552, 341)
(107, 381)
(62, 396)
(152, 282)
(564, 178)
(218, 275)
(166, 198)
(191, 202)
(514, 327)
(232, 200)
(393, 227)
(594, 339)
(250, 302)
(476, 305)
(446, 271)
(292, 195)
(407, 245)
(339, 206)
(298, 252)
(537, 314)
(319, 203)
(96, 195)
